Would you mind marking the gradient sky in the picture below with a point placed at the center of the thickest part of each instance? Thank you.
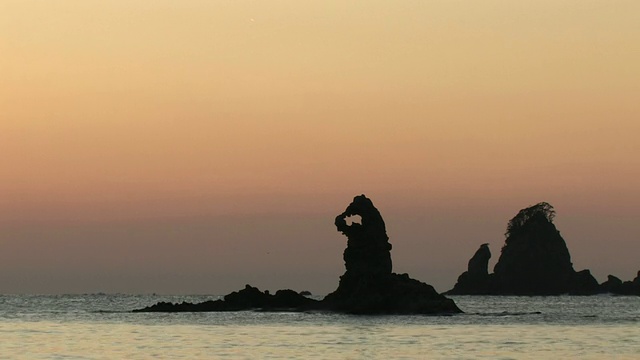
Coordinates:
(195, 146)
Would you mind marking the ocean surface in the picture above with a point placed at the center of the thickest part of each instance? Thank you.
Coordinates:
(100, 326)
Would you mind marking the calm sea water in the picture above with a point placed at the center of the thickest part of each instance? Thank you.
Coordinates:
(100, 327)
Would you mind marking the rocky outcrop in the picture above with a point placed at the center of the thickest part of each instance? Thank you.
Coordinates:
(583, 283)
(368, 249)
(535, 260)
(633, 287)
(479, 263)
(616, 286)
(368, 285)
(612, 285)
(476, 279)
(249, 298)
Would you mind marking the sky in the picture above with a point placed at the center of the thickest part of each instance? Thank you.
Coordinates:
(192, 147)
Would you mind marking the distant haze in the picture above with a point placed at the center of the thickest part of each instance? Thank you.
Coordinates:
(196, 146)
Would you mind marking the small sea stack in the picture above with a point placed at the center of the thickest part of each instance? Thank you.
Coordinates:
(616, 286)
(475, 281)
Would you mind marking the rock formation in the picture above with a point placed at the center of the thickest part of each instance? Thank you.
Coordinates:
(612, 285)
(616, 286)
(476, 279)
(249, 298)
(534, 261)
(368, 285)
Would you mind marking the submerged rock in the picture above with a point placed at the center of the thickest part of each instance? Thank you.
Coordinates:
(368, 285)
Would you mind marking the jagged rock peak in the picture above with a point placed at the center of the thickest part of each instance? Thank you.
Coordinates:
(479, 263)
(535, 260)
(476, 280)
(368, 248)
(368, 285)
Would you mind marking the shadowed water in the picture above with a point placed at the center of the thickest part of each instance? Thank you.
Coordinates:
(99, 327)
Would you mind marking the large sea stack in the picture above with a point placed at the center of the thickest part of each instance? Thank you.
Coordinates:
(367, 287)
(534, 261)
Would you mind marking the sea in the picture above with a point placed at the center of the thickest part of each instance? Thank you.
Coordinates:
(102, 326)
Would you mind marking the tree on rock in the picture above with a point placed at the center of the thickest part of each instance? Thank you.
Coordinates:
(541, 212)
(534, 260)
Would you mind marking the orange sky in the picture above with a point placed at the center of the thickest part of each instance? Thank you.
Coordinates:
(147, 141)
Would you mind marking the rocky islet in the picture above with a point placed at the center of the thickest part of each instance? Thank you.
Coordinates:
(368, 285)
(534, 260)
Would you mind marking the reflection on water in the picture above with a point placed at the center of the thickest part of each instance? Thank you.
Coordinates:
(518, 328)
(46, 340)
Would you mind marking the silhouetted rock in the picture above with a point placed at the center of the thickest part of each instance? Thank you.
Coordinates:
(634, 286)
(612, 285)
(534, 261)
(616, 286)
(217, 305)
(476, 279)
(479, 263)
(249, 298)
(368, 286)
(583, 283)
(368, 249)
